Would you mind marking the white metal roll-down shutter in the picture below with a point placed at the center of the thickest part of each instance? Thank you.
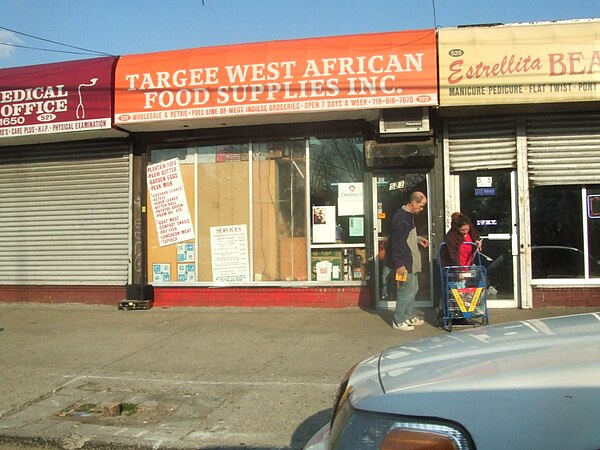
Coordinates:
(563, 149)
(64, 215)
(488, 143)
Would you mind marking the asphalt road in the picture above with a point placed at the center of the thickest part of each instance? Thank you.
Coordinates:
(210, 378)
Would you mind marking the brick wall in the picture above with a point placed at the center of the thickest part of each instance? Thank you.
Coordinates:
(546, 296)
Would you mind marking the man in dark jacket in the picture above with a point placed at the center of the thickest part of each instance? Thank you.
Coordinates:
(403, 257)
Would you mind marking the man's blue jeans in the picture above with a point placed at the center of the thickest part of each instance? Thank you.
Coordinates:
(405, 298)
(385, 280)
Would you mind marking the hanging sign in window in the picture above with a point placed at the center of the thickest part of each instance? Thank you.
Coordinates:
(356, 226)
(399, 185)
(594, 206)
(486, 222)
(485, 192)
(186, 272)
(484, 182)
(324, 224)
(229, 253)
(350, 199)
(162, 272)
(169, 204)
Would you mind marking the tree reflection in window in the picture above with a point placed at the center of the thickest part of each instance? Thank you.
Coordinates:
(334, 161)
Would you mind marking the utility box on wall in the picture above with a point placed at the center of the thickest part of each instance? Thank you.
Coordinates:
(403, 121)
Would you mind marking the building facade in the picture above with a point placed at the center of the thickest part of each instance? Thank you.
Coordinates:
(266, 174)
(65, 185)
(521, 129)
(263, 162)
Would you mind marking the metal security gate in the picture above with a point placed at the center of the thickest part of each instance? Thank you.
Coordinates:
(563, 149)
(65, 215)
(485, 143)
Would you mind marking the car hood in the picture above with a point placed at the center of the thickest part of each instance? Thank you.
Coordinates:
(515, 385)
(522, 354)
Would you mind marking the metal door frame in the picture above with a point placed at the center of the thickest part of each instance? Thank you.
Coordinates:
(452, 188)
(377, 267)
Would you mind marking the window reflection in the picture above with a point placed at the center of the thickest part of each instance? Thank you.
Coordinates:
(593, 225)
(335, 161)
(557, 233)
(265, 194)
(279, 211)
(338, 250)
(486, 198)
(221, 174)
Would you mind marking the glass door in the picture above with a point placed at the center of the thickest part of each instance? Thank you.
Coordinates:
(390, 192)
(489, 200)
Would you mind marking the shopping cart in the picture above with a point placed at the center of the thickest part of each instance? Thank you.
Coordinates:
(464, 292)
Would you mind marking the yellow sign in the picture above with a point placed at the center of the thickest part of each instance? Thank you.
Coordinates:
(529, 63)
(466, 306)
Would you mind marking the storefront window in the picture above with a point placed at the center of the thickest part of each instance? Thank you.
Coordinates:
(592, 200)
(279, 211)
(248, 208)
(338, 215)
(564, 233)
(216, 183)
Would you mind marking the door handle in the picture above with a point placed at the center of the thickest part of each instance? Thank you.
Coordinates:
(497, 237)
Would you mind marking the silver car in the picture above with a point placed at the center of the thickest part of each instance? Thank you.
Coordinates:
(524, 385)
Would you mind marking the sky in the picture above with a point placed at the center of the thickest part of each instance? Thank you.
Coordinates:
(32, 28)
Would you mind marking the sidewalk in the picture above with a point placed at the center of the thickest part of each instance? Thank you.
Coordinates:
(227, 378)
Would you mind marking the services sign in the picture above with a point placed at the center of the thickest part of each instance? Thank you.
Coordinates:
(322, 74)
(56, 98)
(508, 64)
(229, 253)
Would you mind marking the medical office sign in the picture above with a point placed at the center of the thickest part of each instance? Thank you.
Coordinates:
(539, 63)
(55, 98)
(337, 73)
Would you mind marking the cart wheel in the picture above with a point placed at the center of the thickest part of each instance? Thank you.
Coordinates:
(448, 325)
(444, 322)
(438, 318)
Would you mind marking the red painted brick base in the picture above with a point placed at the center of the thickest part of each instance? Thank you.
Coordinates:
(263, 296)
(92, 295)
(342, 297)
(589, 297)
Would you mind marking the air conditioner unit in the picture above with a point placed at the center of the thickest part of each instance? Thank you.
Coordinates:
(403, 121)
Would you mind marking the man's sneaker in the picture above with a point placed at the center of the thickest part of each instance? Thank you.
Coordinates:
(404, 326)
(415, 321)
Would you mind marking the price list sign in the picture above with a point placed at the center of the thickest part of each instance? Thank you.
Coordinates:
(169, 204)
